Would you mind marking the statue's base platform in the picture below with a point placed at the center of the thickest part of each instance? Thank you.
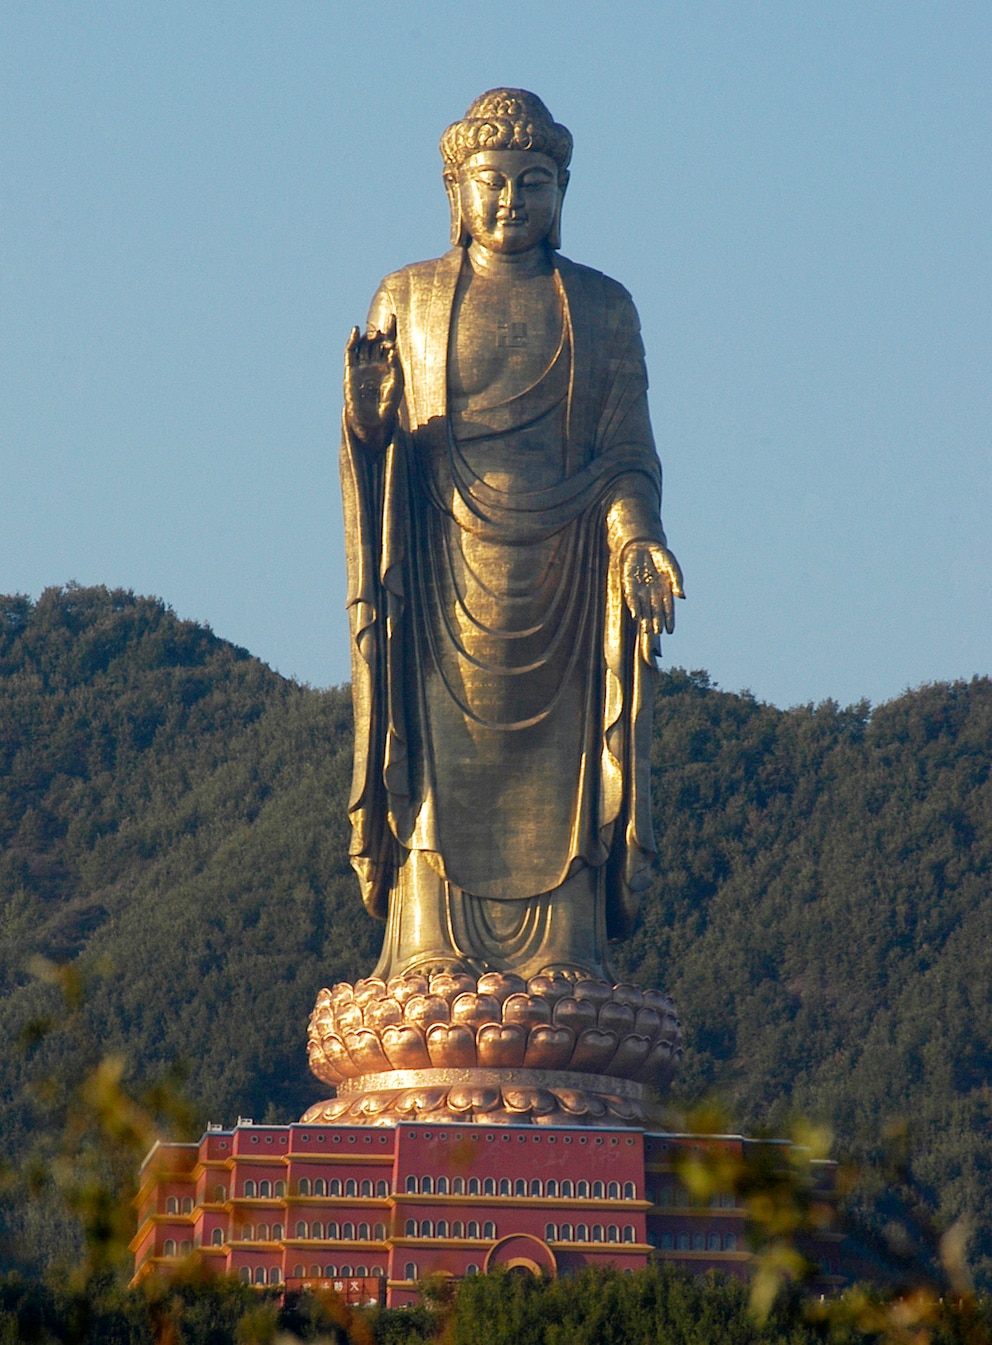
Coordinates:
(373, 1210)
(493, 1050)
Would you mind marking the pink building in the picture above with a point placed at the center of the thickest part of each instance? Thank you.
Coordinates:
(372, 1210)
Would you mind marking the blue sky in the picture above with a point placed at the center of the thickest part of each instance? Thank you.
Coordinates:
(199, 199)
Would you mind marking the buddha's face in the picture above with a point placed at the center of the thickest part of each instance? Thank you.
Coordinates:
(509, 198)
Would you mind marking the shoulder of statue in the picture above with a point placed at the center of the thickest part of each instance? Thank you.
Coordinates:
(607, 295)
(414, 284)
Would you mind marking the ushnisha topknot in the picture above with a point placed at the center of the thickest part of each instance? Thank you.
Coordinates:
(507, 119)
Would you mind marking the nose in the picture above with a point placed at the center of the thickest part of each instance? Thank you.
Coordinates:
(511, 198)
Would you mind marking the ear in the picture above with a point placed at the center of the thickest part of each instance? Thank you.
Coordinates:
(554, 233)
(459, 236)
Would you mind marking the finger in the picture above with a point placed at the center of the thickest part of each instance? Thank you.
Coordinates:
(390, 332)
(352, 343)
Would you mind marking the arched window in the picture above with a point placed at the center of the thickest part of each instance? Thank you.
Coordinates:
(458, 1186)
(597, 1232)
(489, 1230)
(473, 1186)
(613, 1191)
(248, 1233)
(535, 1188)
(333, 1232)
(442, 1229)
(363, 1232)
(520, 1187)
(730, 1242)
(714, 1242)
(301, 1230)
(277, 1232)
(169, 1248)
(473, 1229)
(442, 1186)
(367, 1189)
(471, 1269)
(220, 1194)
(317, 1230)
(304, 1186)
(551, 1188)
(489, 1187)
(265, 1190)
(348, 1233)
(504, 1186)
(334, 1187)
(410, 1270)
(582, 1233)
(249, 1190)
(550, 1232)
(427, 1229)
(298, 1271)
(245, 1274)
(411, 1228)
(275, 1275)
(566, 1233)
(411, 1185)
(698, 1242)
(377, 1271)
(329, 1271)
(351, 1187)
(259, 1274)
(427, 1186)
(381, 1190)
(320, 1187)
(314, 1271)
(263, 1232)
(279, 1189)
(362, 1271)
(172, 1205)
(628, 1232)
(458, 1229)
(598, 1191)
(613, 1233)
(566, 1190)
(582, 1190)
(345, 1270)
(629, 1191)
(667, 1242)
(683, 1242)
(217, 1237)
(187, 1205)
(379, 1233)
(667, 1196)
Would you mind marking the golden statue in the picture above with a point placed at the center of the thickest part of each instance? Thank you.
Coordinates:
(509, 579)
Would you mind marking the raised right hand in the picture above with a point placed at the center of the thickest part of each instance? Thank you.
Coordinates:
(373, 384)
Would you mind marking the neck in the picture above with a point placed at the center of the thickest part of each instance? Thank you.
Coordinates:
(510, 265)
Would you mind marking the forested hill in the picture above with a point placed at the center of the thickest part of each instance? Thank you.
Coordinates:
(822, 911)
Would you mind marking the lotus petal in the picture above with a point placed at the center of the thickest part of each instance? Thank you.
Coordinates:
(598, 992)
(474, 1010)
(576, 1014)
(451, 1046)
(327, 1111)
(320, 1065)
(323, 999)
(366, 1050)
(342, 993)
(402, 988)
(379, 1013)
(405, 1046)
(347, 1018)
(370, 988)
(420, 1099)
(572, 1100)
(647, 1022)
(337, 1055)
(528, 1010)
(550, 987)
(468, 1097)
(536, 1101)
(618, 1018)
(631, 995)
(549, 1047)
(501, 985)
(631, 1055)
(594, 1050)
(450, 984)
(425, 1010)
(659, 1066)
(501, 1046)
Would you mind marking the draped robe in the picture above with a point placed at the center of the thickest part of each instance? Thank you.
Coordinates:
(502, 696)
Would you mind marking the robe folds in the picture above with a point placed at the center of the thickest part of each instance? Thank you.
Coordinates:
(502, 693)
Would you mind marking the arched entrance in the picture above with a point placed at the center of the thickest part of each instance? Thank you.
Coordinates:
(522, 1253)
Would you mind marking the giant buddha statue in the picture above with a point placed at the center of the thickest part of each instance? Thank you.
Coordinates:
(509, 580)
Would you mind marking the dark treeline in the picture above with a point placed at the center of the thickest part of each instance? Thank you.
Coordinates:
(172, 817)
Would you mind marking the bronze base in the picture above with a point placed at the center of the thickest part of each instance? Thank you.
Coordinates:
(496, 1050)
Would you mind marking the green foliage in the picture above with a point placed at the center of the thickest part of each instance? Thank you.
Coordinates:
(173, 822)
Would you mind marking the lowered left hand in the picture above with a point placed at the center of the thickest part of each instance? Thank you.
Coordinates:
(652, 580)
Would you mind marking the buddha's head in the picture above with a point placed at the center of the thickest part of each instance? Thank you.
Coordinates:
(505, 172)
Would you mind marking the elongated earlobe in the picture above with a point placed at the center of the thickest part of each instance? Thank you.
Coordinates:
(459, 234)
(554, 233)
